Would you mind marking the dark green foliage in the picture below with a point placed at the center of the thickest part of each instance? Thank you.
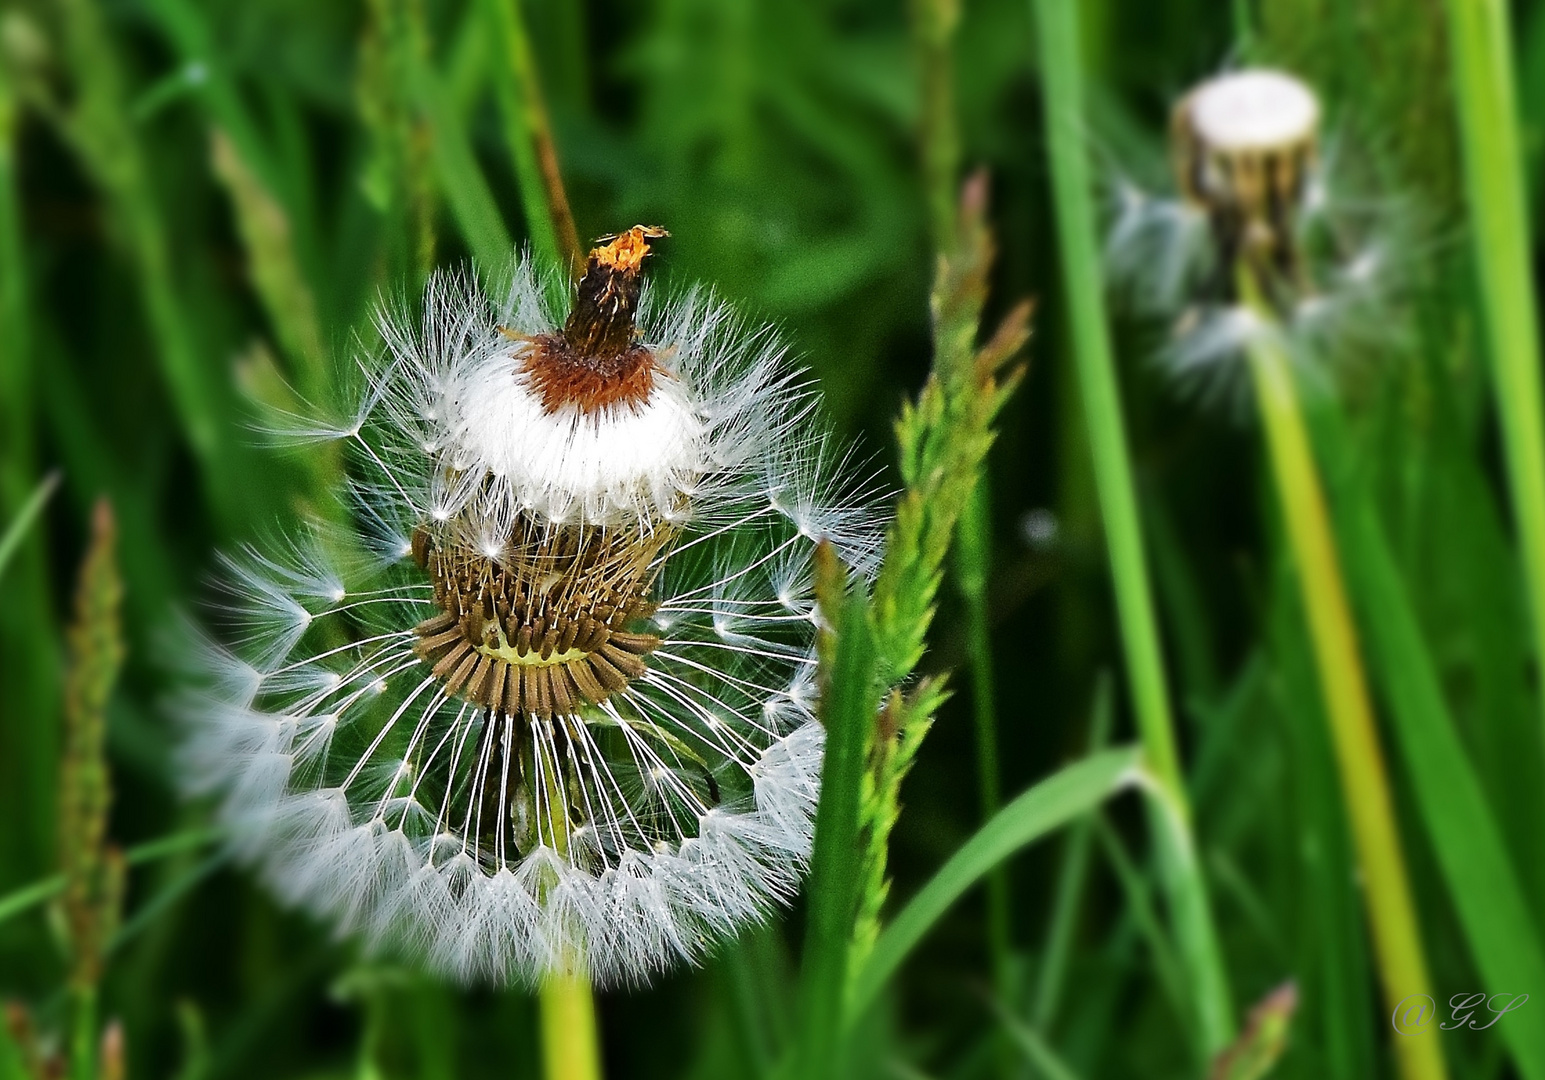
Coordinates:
(199, 203)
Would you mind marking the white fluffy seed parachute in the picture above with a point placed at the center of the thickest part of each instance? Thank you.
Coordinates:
(547, 705)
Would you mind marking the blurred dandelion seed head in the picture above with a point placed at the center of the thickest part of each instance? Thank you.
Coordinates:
(548, 704)
(1253, 112)
(1256, 187)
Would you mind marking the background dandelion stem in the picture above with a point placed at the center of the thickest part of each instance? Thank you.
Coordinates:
(19, 527)
(1354, 737)
(1481, 47)
(1062, 90)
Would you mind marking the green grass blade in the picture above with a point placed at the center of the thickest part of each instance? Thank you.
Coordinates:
(1060, 48)
(1485, 891)
(16, 531)
(1036, 1049)
(1057, 23)
(973, 563)
(549, 223)
(848, 710)
(1494, 172)
(1072, 880)
(1046, 807)
(39, 892)
(110, 146)
(461, 178)
(1139, 905)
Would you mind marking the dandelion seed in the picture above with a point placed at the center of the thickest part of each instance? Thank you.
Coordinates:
(562, 715)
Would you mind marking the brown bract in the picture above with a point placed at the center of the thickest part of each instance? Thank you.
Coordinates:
(544, 627)
(594, 362)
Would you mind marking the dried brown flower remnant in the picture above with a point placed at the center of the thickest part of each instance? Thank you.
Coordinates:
(595, 362)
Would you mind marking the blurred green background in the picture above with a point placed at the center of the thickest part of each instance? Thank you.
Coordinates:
(200, 203)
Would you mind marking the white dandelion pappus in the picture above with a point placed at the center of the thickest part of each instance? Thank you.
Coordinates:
(557, 715)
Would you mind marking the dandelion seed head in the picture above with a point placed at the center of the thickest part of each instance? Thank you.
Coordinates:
(561, 714)
(1254, 110)
(1256, 187)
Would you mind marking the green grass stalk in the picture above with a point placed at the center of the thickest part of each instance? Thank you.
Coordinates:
(28, 752)
(944, 436)
(973, 543)
(528, 130)
(102, 132)
(1060, 49)
(934, 23)
(92, 868)
(1072, 881)
(1481, 47)
(848, 699)
(1359, 757)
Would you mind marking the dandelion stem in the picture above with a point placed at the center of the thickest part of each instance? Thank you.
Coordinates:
(530, 135)
(1359, 757)
(570, 1049)
(1479, 37)
(1057, 22)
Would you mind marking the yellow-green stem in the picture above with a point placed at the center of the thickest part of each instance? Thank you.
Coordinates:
(1359, 757)
(570, 1046)
(570, 1049)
